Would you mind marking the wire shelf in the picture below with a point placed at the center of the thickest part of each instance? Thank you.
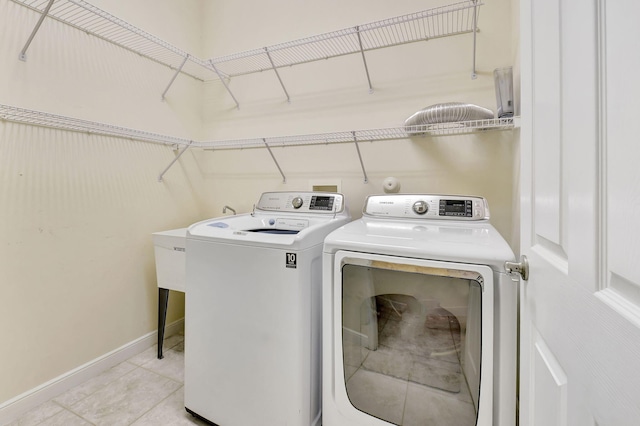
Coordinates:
(38, 118)
(390, 133)
(44, 119)
(444, 21)
(457, 18)
(88, 18)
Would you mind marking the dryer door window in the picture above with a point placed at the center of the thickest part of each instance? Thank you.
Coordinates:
(412, 340)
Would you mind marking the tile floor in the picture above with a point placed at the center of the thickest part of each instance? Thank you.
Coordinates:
(140, 391)
(147, 391)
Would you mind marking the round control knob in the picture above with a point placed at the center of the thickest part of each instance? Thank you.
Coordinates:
(296, 202)
(420, 207)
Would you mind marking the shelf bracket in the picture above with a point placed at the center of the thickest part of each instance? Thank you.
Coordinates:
(174, 76)
(182, 151)
(23, 53)
(364, 59)
(273, 66)
(284, 179)
(364, 172)
(226, 86)
(474, 75)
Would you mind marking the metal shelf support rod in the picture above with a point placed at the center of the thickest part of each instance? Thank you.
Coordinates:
(475, 32)
(364, 172)
(226, 86)
(182, 151)
(23, 53)
(277, 74)
(364, 60)
(174, 76)
(284, 179)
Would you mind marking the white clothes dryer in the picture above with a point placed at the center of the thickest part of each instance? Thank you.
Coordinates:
(419, 316)
(253, 311)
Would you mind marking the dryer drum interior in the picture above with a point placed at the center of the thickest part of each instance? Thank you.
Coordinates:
(412, 341)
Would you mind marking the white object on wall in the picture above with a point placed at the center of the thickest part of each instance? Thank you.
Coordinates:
(391, 185)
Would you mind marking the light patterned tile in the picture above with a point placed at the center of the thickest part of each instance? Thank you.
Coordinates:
(171, 366)
(65, 418)
(175, 342)
(92, 385)
(38, 414)
(169, 412)
(126, 398)
(144, 356)
(179, 347)
(171, 341)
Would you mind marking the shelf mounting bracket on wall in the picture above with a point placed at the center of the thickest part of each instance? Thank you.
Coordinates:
(364, 59)
(364, 172)
(23, 53)
(284, 179)
(175, 75)
(273, 66)
(182, 151)
(224, 82)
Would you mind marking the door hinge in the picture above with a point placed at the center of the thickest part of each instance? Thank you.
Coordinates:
(520, 268)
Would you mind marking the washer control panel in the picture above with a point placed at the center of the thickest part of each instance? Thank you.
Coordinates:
(427, 206)
(301, 202)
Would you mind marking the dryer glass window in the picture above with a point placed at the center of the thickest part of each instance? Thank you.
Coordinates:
(411, 345)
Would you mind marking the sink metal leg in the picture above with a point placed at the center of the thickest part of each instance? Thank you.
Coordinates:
(163, 301)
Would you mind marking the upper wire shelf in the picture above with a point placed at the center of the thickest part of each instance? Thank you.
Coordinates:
(444, 21)
(95, 21)
(457, 18)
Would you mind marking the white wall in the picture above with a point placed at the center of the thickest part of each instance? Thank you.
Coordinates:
(333, 95)
(76, 257)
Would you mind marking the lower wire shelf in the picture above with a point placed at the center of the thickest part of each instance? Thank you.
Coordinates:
(45, 119)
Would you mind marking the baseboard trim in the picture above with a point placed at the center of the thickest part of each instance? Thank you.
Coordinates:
(12, 409)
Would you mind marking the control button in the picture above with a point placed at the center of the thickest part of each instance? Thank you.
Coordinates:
(297, 202)
(272, 221)
(420, 207)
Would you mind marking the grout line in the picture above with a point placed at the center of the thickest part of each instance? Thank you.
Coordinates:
(85, 419)
(158, 373)
(101, 387)
(181, 388)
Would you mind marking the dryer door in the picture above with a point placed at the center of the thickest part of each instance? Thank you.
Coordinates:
(412, 341)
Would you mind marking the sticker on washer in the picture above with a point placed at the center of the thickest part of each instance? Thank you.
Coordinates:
(292, 260)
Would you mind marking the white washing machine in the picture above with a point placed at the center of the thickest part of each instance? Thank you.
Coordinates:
(419, 316)
(253, 311)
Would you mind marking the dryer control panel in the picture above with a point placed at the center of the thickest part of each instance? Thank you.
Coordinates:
(427, 206)
(301, 202)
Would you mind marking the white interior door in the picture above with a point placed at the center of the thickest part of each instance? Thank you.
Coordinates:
(580, 188)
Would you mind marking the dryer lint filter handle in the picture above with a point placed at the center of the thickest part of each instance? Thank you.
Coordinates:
(425, 206)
